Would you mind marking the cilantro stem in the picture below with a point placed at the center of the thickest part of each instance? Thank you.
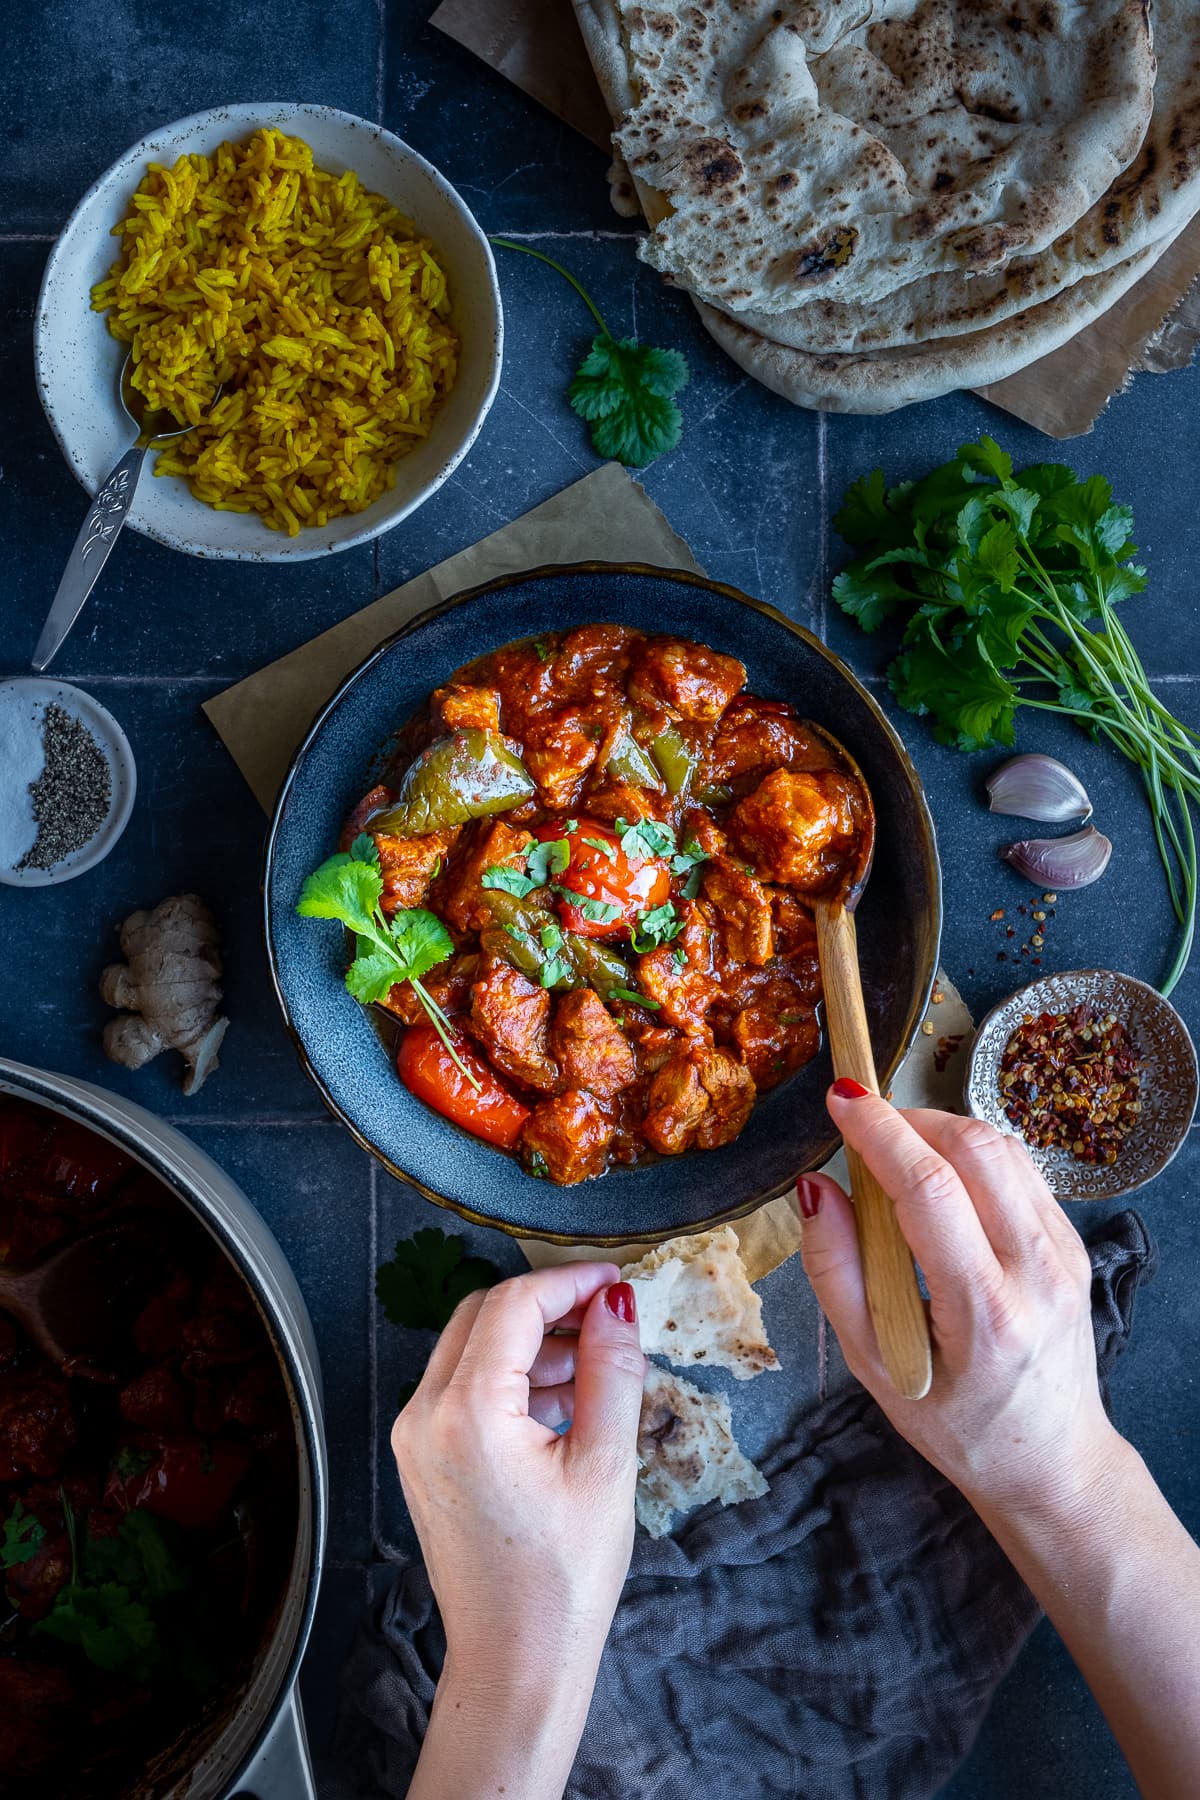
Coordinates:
(441, 1025)
(507, 244)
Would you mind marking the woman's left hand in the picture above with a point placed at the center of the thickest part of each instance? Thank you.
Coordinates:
(526, 1534)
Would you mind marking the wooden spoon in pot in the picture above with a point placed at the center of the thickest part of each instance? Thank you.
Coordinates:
(77, 1305)
(897, 1309)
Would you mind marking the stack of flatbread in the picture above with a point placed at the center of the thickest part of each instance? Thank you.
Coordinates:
(876, 201)
(695, 1305)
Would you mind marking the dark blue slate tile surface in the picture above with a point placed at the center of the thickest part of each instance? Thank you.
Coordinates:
(752, 488)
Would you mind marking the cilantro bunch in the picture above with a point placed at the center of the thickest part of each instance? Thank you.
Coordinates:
(625, 390)
(1007, 587)
(349, 887)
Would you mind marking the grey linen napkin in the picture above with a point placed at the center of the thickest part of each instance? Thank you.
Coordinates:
(839, 1639)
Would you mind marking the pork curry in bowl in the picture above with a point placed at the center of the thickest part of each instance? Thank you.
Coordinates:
(600, 805)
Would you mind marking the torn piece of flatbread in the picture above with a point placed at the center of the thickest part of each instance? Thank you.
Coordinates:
(695, 1304)
(687, 1453)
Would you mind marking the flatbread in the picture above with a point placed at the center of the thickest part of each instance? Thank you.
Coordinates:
(687, 1454)
(695, 1304)
(844, 148)
(880, 381)
(1158, 193)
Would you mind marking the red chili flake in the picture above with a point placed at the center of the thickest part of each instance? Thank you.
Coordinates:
(1071, 1081)
(946, 1047)
(1001, 956)
(999, 913)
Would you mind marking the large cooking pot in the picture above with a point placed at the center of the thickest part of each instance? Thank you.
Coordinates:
(252, 1742)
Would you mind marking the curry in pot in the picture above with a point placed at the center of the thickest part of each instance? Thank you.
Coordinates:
(622, 845)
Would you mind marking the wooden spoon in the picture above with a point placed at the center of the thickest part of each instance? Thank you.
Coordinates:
(893, 1295)
(78, 1304)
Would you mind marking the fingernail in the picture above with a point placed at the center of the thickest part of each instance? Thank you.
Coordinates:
(846, 1089)
(621, 1303)
(809, 1196)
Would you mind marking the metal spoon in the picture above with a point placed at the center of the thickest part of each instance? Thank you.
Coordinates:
(106, 515)
(78, 1304)
(897, 1309)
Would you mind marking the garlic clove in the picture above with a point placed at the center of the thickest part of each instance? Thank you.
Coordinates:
(1064, 862)
(1038, 787)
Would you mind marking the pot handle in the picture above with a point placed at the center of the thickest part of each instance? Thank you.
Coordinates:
(282, 1769)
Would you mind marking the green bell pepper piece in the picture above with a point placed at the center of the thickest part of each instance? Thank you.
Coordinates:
(464, 776)
(676, 762)
(630, 764)
(597, 966)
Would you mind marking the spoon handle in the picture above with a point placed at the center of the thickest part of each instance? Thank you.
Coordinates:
(105, 517)
(893, 1296)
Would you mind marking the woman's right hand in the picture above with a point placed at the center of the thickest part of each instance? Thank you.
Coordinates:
(1014, 1417)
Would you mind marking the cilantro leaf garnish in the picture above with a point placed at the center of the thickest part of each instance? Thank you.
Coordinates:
(624, 390)
(22, 1537)
(619, 993)
(508, 881)
(1005, 585)
(547, 859)
(109, 1609)
(597, 912)
(645, 838)
(607, 850)
(426, 1277)
(349, 888)
(658, 926)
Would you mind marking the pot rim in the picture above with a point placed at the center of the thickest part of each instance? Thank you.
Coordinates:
(195, 1179)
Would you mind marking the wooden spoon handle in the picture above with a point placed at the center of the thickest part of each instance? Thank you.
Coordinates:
(895, 1300)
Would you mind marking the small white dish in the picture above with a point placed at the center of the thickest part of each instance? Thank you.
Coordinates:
(39, 691)
(77, 362)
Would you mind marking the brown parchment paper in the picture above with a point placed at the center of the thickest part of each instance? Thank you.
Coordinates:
(606, 517)
(537, 45)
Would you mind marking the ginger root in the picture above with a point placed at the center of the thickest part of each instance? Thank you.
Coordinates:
(169, 988)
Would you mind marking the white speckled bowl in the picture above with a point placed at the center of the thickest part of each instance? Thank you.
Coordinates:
(1168, 1069)
(77, 362)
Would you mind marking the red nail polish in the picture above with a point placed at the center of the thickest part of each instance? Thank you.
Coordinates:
(846, 1089)
(621, 1303)
(809, 1196)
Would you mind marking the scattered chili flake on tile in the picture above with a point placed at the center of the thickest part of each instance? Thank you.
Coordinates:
(927, 1028)
(946, 1047)
(939, 996)
(999, 913)
(1072, 1081)
(1049, 899)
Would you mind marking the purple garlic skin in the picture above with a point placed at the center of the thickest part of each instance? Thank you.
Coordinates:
(1037, 787)
(1064, 862)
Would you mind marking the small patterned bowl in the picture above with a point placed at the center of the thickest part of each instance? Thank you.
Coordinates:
(1170, 1084)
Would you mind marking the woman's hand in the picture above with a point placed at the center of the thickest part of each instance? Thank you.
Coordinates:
(527, 1535)
(1014, 1416)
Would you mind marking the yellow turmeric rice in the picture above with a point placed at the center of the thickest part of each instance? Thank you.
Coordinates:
(310, 302)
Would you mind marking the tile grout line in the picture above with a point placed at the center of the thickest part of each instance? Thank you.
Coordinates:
(28, 237)
(372, 1352)
(255, 1122)
(822, 618)
(381, 25)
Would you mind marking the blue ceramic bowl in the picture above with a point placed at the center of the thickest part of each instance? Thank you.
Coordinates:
(899, 918)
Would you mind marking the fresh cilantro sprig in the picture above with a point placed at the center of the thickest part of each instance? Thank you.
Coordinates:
(426, 1277)
(349, 887)
(22, 1537)
(111, 1608)
(624, 390)
(1007, 587)
(644, 838)
(597, 912)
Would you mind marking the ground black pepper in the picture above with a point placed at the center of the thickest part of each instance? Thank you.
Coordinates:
(72, 795)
